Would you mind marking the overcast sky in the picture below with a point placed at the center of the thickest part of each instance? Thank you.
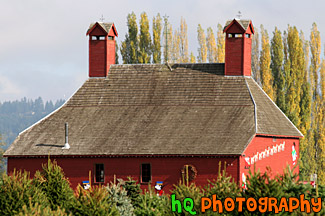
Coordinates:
(44, 48)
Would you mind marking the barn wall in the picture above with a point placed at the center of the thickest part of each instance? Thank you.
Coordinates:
(164, 169)
(277, 161)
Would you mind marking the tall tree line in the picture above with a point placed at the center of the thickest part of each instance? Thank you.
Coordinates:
(161, 43)
(291, 71)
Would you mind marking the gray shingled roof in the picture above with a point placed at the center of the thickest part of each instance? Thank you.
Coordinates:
(106, 26)
(243, 23)
(150, 109)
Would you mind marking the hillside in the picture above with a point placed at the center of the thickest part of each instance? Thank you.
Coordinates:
(15, 116)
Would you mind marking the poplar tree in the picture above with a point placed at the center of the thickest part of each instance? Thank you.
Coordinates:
(145, 47)
(317, 67)
(265, 61)
(192, 58)
(211, 46)
(255, 57)
(183, 43)
(286, 68)
(129, 47)
(176, 58)
(167, 40)
(315, 48)
(220, 44)
(202, 50)
(277, 57)
(156, 37)
(306, 146)
(294, 78)
(116, 54)
(321, 124)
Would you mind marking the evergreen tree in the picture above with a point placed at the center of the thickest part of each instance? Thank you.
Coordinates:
(265, 61)
(220, 44)
(156, 29)
(16, 191)
(145, 46)
(202, 50)
(133, 191)
(183, 42)
(2, 169)
(52, 182)
(255, 57)
(130, 46)
(49, 107)
(211, 46)
(277, 57)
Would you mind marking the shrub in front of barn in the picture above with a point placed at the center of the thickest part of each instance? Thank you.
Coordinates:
(37, 210)
(17, 190)
(222, 187)
(118, 195)
(183, 191)
(153, 205)
(95, 201)
(133, 191)
(51, 180)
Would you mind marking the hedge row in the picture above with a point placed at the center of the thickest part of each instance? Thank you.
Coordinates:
(49, 193)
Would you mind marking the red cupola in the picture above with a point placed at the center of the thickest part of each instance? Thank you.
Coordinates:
(238, 47)
(101, 48)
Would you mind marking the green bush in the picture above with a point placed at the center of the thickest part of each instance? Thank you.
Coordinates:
(16, 191)
(118, 196)
(182, 191)
(37, 210)
(52, 182)
(133, 191)
(95, 202)
(222, 187)
(153, 205)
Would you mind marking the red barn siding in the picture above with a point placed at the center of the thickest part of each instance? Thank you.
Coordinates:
(110, 54)
(97, 58)
(166, 169)
(277, 162)
(234, 56)
(238, 51)
(247, 55)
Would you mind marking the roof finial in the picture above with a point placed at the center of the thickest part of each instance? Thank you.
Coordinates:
(102, 18)
(239, 15)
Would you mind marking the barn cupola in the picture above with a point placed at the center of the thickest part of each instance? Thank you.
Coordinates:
(101, 48)
(238, 47)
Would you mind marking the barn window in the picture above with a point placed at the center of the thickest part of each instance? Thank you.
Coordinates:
(145, 172)
(110, 37)
(101, 37)
(99, 173)
(238, 35)
(248, 35)
(93, 37)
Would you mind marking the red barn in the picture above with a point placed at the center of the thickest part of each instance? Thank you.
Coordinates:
(150, 121)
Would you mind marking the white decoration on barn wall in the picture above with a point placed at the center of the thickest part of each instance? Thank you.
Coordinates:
(270, 151)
